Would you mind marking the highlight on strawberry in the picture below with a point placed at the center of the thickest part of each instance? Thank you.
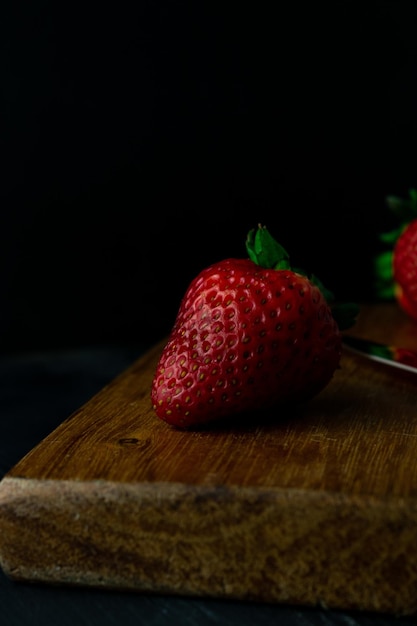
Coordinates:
(395, 268)
(250, 334)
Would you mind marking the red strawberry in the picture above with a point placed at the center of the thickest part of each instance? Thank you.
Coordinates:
(405, 269)
(396, 268)
(249, 334)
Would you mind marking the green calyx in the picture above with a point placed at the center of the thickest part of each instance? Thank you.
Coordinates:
(404, 210)
(266, 252)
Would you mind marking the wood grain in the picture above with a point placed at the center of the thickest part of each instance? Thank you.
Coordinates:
(314, 506)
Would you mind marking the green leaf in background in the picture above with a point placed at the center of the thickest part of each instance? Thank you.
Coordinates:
(404, 210)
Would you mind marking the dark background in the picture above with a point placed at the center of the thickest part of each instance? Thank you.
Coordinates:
(140, 143)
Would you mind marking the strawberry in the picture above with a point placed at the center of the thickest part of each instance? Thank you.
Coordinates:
(396, 267)
(250, 334)
(405, 269)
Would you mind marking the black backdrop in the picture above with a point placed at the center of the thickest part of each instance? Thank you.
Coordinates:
(140, 143)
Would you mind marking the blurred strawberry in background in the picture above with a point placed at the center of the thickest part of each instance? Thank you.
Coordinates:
(396, 267)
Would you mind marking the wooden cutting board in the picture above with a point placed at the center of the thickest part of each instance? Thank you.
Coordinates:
(314, 507)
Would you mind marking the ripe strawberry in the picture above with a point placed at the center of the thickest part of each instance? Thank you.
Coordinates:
(396, 268)
(249, 334)
(405, 269)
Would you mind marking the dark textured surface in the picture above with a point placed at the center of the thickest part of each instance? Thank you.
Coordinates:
(37, 392)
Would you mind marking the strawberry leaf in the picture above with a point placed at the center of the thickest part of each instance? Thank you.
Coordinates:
(384, 275)
(345, 314)
(391, 237)
(404, 209)
(383, 265)
(326, 292)
(265, 251)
